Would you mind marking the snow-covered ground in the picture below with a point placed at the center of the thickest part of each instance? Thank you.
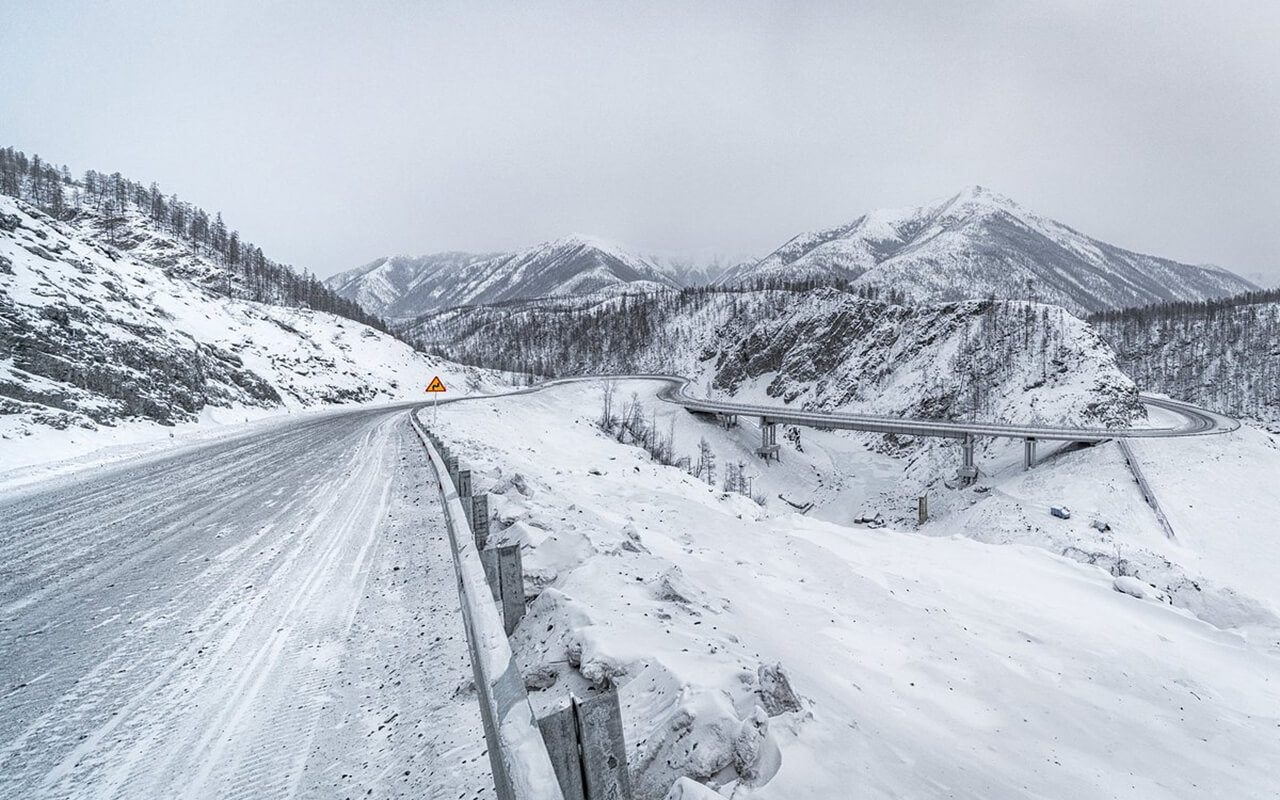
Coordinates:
(267, 616)
(970, 658)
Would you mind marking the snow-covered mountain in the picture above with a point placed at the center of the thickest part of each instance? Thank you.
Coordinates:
(403, 287)
(979, 244)
(823, 349)
(93, 334)
(697, 269)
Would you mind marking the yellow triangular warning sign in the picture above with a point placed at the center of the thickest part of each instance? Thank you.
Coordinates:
(436, 385)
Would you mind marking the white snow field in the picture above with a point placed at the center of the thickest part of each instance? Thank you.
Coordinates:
(967, 659)
(264, 616)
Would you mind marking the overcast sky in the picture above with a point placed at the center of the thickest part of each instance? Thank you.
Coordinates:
(332, 133)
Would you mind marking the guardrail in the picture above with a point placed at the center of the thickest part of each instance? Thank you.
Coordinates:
(522, 768)
(1147, 494)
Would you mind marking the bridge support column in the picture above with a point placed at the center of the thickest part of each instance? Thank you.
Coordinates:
(1029, 453)
(968, 470)
(768, 440)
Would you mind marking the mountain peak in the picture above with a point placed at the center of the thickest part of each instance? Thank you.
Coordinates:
(979, 243)
(583, 240)
(976, 198)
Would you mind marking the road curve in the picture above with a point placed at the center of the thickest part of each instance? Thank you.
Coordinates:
(1198, 421)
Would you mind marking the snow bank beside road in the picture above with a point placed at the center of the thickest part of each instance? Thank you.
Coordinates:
(923, 666)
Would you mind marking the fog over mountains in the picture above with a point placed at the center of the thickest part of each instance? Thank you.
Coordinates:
(976, 244)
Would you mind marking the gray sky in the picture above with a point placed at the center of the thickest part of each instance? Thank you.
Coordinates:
(332, 133)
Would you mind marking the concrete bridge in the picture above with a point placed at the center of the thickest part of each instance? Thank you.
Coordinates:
(1197, 422)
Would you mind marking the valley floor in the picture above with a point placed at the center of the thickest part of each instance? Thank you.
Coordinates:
(272, 615)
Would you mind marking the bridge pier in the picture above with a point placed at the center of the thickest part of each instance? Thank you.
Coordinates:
(968, 470)
(727, 420)
(1029, 453)
(768, 440)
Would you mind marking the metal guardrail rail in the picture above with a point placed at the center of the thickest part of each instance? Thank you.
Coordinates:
(522, 768)
(1147, 494)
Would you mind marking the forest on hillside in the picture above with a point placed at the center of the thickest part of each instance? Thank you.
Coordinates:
(837, 349)
(1223, 354)
(115, 202)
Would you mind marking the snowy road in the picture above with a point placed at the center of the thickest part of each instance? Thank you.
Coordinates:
(272, 616)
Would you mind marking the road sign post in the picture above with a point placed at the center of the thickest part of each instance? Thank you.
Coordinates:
(435, 389)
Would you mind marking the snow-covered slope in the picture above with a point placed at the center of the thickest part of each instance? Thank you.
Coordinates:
(911, 665)
(403, 287)
(980, 244)
(824, 348)
(698, 269)
(1224, 355)
(92, 335)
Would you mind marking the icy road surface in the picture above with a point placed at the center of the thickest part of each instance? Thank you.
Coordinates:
(271, 616)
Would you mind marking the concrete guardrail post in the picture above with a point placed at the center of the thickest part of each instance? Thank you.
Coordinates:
(511, 582)
(518, 758)
(505, 573)
(587, 749)
(480, 519)
(463, 483)
(489, 560)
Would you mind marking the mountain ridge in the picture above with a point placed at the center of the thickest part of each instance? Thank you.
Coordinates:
(979, 243)
(570, 265)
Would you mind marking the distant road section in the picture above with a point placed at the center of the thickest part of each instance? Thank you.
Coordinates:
(1197, 421)
(268, 617)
